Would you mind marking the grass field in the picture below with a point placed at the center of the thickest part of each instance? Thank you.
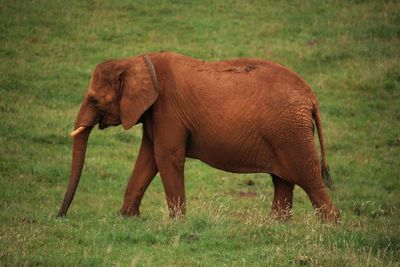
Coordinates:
(348, 51)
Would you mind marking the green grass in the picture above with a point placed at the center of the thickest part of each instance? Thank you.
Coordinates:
(348, 51)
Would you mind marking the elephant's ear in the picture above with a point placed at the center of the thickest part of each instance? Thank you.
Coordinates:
(139, 91)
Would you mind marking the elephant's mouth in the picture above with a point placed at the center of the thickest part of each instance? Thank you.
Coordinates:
(102, 125)
(105, 122)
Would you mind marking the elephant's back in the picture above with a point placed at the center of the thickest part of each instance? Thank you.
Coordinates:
(240, 77)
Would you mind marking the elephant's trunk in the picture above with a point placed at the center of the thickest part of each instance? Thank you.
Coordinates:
(87, 118)
(78, 159)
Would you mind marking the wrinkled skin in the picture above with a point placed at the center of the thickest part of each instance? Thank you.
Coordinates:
(243, 116)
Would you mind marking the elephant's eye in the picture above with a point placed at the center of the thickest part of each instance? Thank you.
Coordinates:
(94, 102)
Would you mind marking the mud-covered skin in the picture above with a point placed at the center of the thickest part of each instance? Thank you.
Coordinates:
(244, 115)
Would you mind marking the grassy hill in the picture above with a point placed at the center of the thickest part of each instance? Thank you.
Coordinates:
(348, 51)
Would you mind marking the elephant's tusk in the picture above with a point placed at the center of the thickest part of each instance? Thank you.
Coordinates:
(78, 131)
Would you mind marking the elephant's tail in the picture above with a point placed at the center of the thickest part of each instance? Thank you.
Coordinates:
(324, 164)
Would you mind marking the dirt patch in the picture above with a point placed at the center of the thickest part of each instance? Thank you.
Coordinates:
(248, 68)
(28, 220)
(249, 182)
(250, 194)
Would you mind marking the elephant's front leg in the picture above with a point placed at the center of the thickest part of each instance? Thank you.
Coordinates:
(170, 153)
(143, 173)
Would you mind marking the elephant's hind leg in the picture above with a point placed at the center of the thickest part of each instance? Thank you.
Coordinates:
(283, 198)
(307, 174)
(322, 203)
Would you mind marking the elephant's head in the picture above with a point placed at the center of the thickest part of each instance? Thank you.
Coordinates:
(120, 91)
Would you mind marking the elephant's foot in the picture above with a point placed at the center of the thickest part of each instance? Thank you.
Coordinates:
(323, 205)
(129, 212)
(281, 214)
(328, 213)
(177, 210)
(177, 216)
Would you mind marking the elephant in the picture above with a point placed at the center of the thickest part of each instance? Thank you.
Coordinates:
(242, 115)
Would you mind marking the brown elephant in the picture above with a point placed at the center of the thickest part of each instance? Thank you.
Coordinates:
(243, 116)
